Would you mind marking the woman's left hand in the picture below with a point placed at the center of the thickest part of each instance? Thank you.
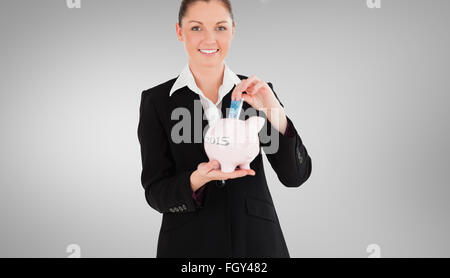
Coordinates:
(259, 95)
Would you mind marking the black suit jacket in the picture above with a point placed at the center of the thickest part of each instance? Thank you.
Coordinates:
(237, 217)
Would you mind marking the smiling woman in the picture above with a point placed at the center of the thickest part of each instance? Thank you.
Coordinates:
(208, 212)
(207, 39)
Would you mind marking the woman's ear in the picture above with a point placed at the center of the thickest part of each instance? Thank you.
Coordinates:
(179, 32)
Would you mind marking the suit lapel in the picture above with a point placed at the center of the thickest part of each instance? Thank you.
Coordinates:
(185, 98)
(226, 101)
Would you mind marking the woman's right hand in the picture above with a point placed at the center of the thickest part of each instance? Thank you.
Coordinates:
(209, 171)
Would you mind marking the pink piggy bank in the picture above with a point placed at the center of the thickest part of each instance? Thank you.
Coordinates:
(233, 142)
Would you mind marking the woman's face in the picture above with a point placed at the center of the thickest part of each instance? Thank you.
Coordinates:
(206, 26)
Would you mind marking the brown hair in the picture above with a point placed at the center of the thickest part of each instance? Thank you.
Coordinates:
(185, 4)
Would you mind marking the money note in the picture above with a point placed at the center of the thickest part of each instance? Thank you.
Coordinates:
(235, 108)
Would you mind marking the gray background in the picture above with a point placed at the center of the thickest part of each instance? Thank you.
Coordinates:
(366, 88)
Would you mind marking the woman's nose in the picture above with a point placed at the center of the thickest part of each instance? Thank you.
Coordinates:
(209, 37)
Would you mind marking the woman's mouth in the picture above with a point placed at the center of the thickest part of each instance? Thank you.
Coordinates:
(209, 52)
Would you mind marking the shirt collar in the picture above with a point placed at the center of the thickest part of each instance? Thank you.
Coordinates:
(187, 79)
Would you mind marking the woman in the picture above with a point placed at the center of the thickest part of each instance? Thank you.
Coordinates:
(208, 213)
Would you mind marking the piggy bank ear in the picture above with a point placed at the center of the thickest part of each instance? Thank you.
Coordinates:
(255, 122)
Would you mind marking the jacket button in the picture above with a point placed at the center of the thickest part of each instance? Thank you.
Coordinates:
(220, 183)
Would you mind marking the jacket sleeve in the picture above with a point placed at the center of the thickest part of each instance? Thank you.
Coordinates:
(291, 161)
(198, 196)
(166, 190)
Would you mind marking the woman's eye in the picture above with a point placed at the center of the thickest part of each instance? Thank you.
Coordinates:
(196, 28)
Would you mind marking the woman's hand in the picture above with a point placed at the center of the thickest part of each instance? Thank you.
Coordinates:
(261, 97)
(209, 171)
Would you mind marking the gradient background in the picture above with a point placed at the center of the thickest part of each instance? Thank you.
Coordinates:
(368, 91)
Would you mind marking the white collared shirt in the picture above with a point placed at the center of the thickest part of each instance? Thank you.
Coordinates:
(212, 110)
